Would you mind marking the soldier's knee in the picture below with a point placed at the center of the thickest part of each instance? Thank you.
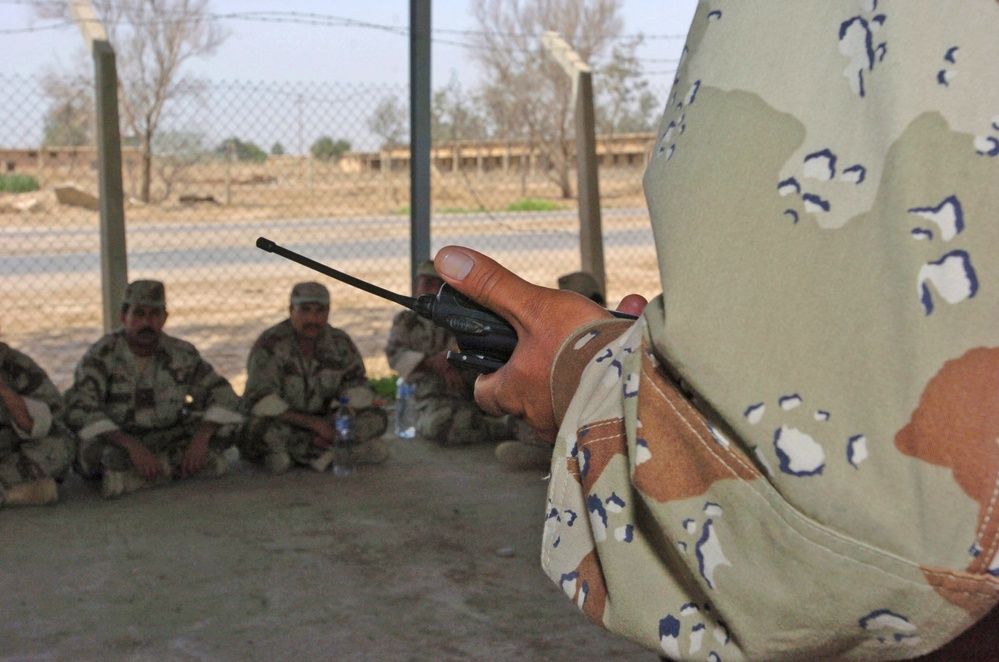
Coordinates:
(371, 423)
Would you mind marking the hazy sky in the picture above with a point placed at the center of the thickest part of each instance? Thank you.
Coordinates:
(332, 40)
(312, 42)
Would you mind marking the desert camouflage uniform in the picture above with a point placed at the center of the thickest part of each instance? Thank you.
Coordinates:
(47, 450)
(279, 378)
(161, 406)
(441, 414)
(794, 452)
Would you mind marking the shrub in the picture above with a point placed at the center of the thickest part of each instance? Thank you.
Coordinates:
(18, 183)
(384, 387)
(327, 149)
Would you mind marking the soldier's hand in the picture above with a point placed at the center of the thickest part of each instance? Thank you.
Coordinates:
(439, 364)
(323, 429)
(195, 456)
(633, 304)
(543, 319)
(143, 459)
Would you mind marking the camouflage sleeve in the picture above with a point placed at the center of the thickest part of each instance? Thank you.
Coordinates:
(412, 339)
(31, 382)
(212, 394)
(354, 382)
(793, 455)
(404, 350)
(85, 399)
(262, 395)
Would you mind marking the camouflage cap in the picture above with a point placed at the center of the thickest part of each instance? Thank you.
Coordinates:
(145, 293)
(310, 292)
(583, 283)
(426, 268)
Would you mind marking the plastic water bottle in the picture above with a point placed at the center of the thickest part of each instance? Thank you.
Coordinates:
(343, 421)
(405, 415)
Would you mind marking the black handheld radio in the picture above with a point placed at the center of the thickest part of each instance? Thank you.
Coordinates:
(485, 340)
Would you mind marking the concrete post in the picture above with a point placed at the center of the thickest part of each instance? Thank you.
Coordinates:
(114, 258)
(587, 181)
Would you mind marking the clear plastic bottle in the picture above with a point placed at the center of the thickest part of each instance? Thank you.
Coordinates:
(343, 420)
(405, 415)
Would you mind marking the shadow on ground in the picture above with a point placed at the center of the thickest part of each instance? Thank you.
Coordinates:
(432, 556)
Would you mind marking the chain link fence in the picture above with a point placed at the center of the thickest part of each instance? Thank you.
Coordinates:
(302, 164)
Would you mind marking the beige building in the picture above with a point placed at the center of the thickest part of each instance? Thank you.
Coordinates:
(627, 149)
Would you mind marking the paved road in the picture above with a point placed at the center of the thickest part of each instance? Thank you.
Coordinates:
(236, 245)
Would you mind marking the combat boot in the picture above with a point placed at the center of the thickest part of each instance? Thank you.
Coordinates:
(323, 462)
(115, 484)
(216, 465)
(39, 492)
(501, 428)
(277, 462)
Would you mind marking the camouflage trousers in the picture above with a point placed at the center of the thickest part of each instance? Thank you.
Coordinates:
(454, 421)
(23, 460)
(168, 444)
(265, 435)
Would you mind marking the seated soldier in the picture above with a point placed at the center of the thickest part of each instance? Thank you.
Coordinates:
(36, 450)
(445, 409)
(145, 406)
(582, 282)
(297, 373)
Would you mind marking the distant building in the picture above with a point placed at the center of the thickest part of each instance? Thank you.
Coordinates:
(625, 149)
(65, 159)
(620, 150)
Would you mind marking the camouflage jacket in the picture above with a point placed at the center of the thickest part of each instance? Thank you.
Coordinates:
(279, 377)
(413, 338)
(793, 453)
(30, 381)
(109, 392)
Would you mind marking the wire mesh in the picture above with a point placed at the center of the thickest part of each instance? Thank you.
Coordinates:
(303, 164)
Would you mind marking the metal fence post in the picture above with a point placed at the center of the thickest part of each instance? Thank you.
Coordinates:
(419, 114)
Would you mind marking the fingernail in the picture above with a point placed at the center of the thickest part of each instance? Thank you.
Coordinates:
(456, 264)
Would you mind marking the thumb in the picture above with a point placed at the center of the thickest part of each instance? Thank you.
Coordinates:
(485, 281)
(633, 304)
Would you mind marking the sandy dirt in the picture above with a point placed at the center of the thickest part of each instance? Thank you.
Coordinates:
(432, 556)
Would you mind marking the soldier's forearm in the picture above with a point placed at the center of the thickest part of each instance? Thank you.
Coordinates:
(298, 419)
(120, 439)
(205, 431)
(16, 406)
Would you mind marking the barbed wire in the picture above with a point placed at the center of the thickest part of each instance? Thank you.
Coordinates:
(312, 18)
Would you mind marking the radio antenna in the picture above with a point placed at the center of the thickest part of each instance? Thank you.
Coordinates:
(266, 244)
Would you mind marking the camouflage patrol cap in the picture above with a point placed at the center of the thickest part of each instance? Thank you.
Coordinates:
(583, 283)
(310, 292)
(426, 268)
(145, 293)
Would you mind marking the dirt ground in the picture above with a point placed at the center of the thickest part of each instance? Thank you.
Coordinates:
(431, 556)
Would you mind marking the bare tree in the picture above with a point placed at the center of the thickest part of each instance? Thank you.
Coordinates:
(69, 121)
(527, 91)
(457, 115)
(626, 103)
(152, 40)
(390, 122)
